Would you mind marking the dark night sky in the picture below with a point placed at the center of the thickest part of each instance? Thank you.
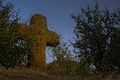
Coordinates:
(58, 12)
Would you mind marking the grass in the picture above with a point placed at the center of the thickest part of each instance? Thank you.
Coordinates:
(29, 74)
(23, 74)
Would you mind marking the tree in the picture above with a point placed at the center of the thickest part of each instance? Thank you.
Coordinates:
(97, 34)
(13, 48)
(7, 37)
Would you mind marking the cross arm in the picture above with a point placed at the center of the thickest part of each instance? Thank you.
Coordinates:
(21, 29)
(52, 39)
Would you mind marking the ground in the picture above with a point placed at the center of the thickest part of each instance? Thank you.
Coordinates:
(29, 74)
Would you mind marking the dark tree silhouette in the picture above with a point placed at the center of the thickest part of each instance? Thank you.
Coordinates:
(7, 22)
(97, 37)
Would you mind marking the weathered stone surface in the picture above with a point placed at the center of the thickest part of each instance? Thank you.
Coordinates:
(38, 28)
(53, 39)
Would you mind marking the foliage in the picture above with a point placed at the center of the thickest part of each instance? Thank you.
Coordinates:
(7, 37)
(13, 48)
(62, 51)
(97, 38)
(64, 62)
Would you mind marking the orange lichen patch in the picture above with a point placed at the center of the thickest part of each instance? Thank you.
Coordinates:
(52, 39)
(38, 19)
(38, 24)
(39, 59)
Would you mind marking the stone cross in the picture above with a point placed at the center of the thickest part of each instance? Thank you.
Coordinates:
(44, 37)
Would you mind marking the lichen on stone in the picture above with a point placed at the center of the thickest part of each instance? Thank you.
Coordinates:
(44, 37)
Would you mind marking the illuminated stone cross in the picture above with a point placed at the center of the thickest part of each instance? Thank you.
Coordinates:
(44, 37)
